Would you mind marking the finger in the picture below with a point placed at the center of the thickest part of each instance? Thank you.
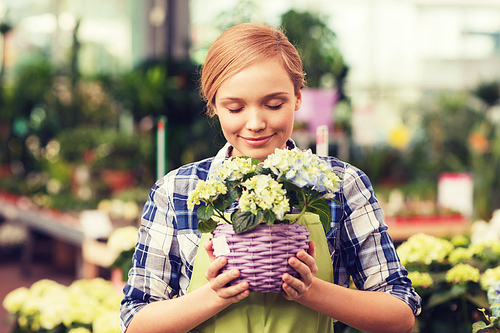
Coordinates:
(223, 279)
(312, 249)
(209, 247)
(214, 268)
(306, 274)
(234, 292)
(239, 295)
(289, 291)
(308, 260)
(220, 284)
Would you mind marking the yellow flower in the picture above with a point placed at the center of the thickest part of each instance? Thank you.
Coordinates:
(460, 240)
(423, 248)
(419, 279)
(123, 239)
(400, 137)
(15, 299)
(460, 254)
(490, 276)
(462, 273)
(107, 322)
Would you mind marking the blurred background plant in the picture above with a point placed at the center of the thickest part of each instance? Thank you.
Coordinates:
(47, 306)
(74, 141)
(454, 276)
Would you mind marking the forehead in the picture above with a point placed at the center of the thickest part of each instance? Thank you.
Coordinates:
(264, 75)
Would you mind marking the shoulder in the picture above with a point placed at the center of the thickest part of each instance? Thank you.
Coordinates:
(355, 190)
(182, 180)
(348, 173)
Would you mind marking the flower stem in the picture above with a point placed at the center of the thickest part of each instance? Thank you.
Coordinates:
(221, 215)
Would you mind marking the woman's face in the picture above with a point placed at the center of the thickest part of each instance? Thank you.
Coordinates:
(256, 109)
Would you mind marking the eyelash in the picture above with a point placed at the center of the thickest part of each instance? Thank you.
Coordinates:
(272, 107)
(275, 107)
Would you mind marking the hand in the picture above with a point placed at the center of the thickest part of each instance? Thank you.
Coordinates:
(306, 266)
(218, 282)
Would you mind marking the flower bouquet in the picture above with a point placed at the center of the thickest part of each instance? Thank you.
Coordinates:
(260, 196)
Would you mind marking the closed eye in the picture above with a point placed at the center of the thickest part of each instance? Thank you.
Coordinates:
(235, 110)
(275, 107)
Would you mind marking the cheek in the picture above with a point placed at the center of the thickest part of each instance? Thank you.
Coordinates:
(229, 125)
(285, 121)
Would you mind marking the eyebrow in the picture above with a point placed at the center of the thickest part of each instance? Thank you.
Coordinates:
(266, 97)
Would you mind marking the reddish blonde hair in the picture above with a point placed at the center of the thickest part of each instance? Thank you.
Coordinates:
(241, 46)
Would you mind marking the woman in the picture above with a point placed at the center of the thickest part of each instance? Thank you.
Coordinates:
(252, 81)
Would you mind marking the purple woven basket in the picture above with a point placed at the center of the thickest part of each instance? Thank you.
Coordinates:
(262, 254)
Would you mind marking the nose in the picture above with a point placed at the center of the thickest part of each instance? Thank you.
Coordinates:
(256, 120)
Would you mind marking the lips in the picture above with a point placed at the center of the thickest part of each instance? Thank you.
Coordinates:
(255, 142)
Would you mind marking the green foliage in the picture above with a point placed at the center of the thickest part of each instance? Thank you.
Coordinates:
(322, 60)
(107, 148)
(321, 208)
(245, 221)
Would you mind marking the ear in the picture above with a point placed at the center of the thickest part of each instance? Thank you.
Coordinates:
(298, 102)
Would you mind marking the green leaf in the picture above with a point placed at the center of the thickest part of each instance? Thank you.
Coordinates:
(204, 213)
(206, 226)
(269, 217)
(441, 297)
(289, 186)
(245, 221)
(224, 201)
(481, 327)
(321, 208)
(260, 170)
(479, 300)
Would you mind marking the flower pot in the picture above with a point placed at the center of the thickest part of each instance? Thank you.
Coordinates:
(261, 255)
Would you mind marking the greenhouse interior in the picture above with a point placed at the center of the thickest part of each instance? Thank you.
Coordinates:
(100, 99)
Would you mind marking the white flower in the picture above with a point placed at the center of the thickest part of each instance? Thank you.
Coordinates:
(264, 193)
(303, 168)
(123, 239)
(206, 191)
(265, 189)
(235, 169)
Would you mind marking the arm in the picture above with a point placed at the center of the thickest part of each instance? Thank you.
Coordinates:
(155, 296)
(385, 300)
(186, 312)
(370, 311)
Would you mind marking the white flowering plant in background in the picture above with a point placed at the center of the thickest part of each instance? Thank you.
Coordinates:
(122, 241)
(454, 277)
(265, 191)
(85, 306)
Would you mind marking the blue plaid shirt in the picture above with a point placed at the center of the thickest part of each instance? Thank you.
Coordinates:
(359, 244)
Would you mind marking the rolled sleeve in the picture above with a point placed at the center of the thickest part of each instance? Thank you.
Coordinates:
(367, 252)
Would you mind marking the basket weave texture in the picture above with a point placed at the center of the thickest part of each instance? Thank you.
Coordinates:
(261, 255)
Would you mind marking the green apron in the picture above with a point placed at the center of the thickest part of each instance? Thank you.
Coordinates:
(269, 312)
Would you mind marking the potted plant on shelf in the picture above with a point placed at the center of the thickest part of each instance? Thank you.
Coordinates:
(259, 235)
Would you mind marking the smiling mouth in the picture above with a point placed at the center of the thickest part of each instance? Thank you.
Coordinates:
(257, 141)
